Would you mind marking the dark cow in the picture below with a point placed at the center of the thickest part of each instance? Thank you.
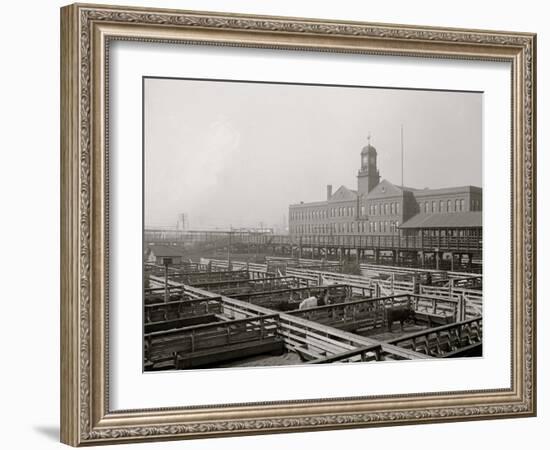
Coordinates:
(399, 313)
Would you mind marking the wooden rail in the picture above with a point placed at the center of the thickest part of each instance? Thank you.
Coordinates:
(355, 241)
(365, 286)
(210, 276)
(297, 333)
(165, 345)
(446, 340)
(180, 309)
(313, 337)
(294, 295)
(370, 353)
(251, 285)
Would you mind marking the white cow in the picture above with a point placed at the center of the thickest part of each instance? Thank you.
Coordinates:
(310, 302)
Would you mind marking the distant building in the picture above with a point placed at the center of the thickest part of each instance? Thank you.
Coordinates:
(379, 207)
(163, 254)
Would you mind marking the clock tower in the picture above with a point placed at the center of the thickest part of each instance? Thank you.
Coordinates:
(368, 176)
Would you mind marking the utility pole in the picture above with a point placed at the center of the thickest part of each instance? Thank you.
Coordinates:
(166, 262)
(402, 157)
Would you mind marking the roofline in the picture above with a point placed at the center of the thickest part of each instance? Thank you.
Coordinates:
(430, 191)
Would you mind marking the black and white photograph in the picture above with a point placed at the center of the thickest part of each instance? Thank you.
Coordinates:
(288, 223)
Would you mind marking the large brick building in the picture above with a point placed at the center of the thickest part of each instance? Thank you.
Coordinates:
(379, 207)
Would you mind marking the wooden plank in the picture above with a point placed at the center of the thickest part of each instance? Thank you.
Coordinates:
(212, 357)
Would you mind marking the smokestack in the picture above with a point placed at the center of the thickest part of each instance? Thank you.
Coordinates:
(329, 191)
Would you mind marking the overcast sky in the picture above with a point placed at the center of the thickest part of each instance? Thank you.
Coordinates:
(238, 154)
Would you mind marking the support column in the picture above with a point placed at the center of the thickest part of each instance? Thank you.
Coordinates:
(437, 257)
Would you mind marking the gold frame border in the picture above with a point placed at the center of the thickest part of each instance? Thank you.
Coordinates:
(85, 33)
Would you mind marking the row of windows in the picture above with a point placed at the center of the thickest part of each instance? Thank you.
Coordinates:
(343, 211)
(383, 226)
(441, 206)
(347, 211)
(384, 209)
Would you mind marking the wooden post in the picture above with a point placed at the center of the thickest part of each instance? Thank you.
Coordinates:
(166, 293)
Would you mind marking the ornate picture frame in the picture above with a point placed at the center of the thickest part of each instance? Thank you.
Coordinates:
(86, 33)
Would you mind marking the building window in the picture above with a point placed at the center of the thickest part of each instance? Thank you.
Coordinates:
(457, 205)
(393, 209)
(441, 206)
(449, 206)
(434, 207)
(397, 208)
(462, 204)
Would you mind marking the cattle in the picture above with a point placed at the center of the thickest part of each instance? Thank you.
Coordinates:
(285, 306)
(310, 302)
(399, 313)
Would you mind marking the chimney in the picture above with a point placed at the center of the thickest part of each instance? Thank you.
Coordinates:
(329, 191)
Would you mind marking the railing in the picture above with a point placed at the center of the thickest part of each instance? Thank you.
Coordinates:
(184, 267)
(252, 285)
(360, 285)
(444, 341)
(315, 338)
(373, 287)
(472, 299)
(163, 345)
(205, 277)
(279, 298)
(371, 312)
(384, 241)
(370, 353)
(358, 313)
(224, 265)
(327, 240)
(156, 312)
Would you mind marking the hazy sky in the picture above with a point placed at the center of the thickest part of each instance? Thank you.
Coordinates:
(238, 154)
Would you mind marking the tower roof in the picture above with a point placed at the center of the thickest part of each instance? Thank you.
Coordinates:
(367, 149)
